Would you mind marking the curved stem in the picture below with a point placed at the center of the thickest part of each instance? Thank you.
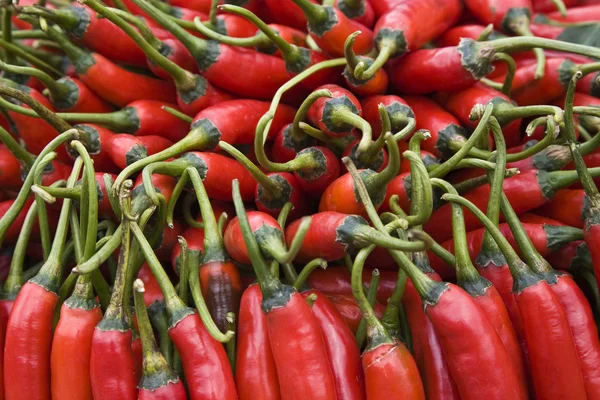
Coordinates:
(16, 149)
(315, 13)
(57, 89)
(91, 230)
(380, 180)
(175, 195)
(384, 55)
(141, 26)
(423, 200)
(296, 243)
(263, 180)
(288, 50)
(300, 280)
(348, 117)
(485, 34)
(443, 169)
(101, 254)
(259, 40)
(178, 114)
(304, 107)
(44, 227)
(14, 280)
(17, 51)
(510, 73)
(522, 43)
(349, 53)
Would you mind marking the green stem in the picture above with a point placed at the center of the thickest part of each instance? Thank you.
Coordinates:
(443, 169)
(230, 346)
(15, 280)
(421, 194)
(155, 365)
(510, 73)
(300, 280)
(44, 226)
(178, 114)
(91, 230)
(141, 26)
(185, 208)
(379, 181)
(385, 52)
(351, 57)
(315, 13)
(16, 149)
(361, 332)
(17, 51)
(160, 322)
(260, 41)
(184, 270)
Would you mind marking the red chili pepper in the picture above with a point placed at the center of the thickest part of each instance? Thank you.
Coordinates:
(337, 115)
(219, 277)
(219, 63)
(340, 194)
(461, 103)
(256, 372)
(72, 343)
(158, 380)
(342, 350)
(204, 360)
(427, 158)
(545, 324)
(573, 257)
(288, 315)
(361, 11)
(124, 149)
(347, 307)
(376, 84)
(195, 241)
(332, 235)
(453, 35)
(484, 294)
(577, 309)
(504, 15)
(329, 27)
(215, 124)
(397, 31)
(100, 74)
(526, 191)
(82, 24)
(152, 291)
(29, 330)
(13, 231)
(429, 356)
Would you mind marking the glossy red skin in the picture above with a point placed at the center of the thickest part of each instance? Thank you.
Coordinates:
(315, 186)
(36, 133)
(566, 206)
(113, 365)
(378, 84)
(171, 391)
(492, 304)
(367, 18)
(370, 110)
(71, 352)
(178, 54)
(152, 292)
(461, 102)
(3, 321)
(290, 35)
(296, 197)
(101, 157)
(585, 333)
(316, 112)
(285, 12)
(430, 116)
(255, 370)
(336, 281)
(407, 15)
(553, 356)
(87, 101)
(120, 48)
(169, 240)
(204, 360)
(345, 304)
(383, 6)
(391, 372)
(430, 70)
(563, 258)
(429, 356)
(121, 87)
(453, 35)
(535, 232)
(28, 344)
(477, 359)
(494, 11)
(234, 241)
(198, 5)
(396, 187)
(241, 129)
(10, 170)
(120, 144)
(253, 81)
(577, 14)
(153, 120)
(219, 167)
(303, 367)
(332, 41)
(212, 95)
(342, 350)
(547, 6)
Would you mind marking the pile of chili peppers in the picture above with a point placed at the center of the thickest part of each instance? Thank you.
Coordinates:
(299, 199)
